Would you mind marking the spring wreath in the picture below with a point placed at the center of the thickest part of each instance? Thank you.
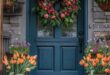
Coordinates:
(57, 12)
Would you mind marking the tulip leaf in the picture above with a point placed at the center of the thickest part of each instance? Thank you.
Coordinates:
(11, 73)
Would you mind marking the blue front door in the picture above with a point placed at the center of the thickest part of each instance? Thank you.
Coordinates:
(59, 49)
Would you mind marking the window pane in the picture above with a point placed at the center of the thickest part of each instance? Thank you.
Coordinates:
(44, 31)
(71, 31)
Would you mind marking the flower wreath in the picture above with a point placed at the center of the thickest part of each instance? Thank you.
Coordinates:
(48, 14)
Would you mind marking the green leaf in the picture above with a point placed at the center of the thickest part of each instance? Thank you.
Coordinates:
(66, 19)
(71, 20)
(45, 21)
(33, 67)
(11, 73)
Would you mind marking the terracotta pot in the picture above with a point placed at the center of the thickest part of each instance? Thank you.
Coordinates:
(105, 6)
(19, 74)
(8, 4)
(97, 74)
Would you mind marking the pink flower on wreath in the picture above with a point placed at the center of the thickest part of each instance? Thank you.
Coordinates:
(62, 15)
(75, 7)
(45, 7)
(46, 16)
(75, 1)
(50, 11)
(53, 17)
(50, 5)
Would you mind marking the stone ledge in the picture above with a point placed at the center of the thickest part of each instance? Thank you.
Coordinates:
(100, 20)
(107, 13)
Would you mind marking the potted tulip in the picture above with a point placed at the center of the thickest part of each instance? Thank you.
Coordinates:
(19, 64)
(18, 61)
(104, 4)
(9, 3)
(96, 60)
(12, 6)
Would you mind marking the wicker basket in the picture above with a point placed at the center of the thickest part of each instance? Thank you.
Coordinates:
(105, 6)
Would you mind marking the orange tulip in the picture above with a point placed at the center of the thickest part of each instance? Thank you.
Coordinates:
(32, 62)
(107, 70)
(94, 64)
(82, 62)
(5, 60)
(14, 61)
(88, 59)
(99, 55)
(104, 59)
(17, 54)
(11, 61)
(108, 58)
(28, 57)
(33, 57)
(14, 56)
(96, 60)
(104, 63)
(20, 61)
(86, 65)
(89, 55)
(23, 56)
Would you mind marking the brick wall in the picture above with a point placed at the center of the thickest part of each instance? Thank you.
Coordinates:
(98, 20)
(15, 25)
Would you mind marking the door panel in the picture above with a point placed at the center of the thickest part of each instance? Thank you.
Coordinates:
(68, 58)
(57, 56)
(45, 53)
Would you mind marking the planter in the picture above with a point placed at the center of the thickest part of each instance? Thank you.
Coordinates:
(98, 74)
(105, 6)
(92, 73)
(8, 4)
(12, 73)
(12, 7)
(19, 74)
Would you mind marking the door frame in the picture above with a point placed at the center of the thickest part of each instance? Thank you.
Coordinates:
(31, 20)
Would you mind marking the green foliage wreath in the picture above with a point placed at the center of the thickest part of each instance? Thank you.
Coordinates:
(50, 15)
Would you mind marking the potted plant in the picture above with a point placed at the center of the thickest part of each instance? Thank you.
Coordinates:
(17, 61)
(19, 64)
(21, 47)
(12, 6)
(9, 3)
(104, 4)
(96, 60)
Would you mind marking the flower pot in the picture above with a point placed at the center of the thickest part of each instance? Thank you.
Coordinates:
(8, 4)
(19, 74)
(105, 6)
(12, 7)
(97, 74)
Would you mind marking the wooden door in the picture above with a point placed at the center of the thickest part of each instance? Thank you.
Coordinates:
(59, 49)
